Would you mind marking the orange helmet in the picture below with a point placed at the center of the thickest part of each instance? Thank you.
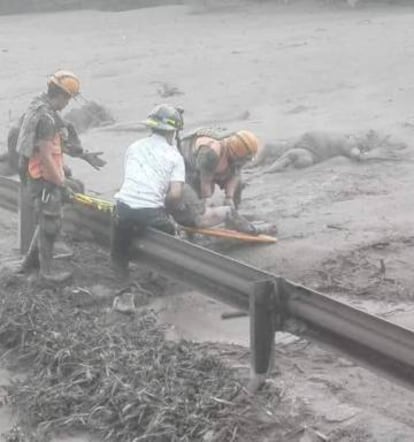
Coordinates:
(243, 144)
(66, 81)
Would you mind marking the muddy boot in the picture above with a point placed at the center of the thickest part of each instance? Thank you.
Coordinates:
(263, 228)
(237, 222)
(31, 259)
(120, 268)
(30, 262)
(62, 251)
(47, 272)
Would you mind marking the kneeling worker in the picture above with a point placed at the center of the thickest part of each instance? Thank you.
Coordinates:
(154, 178)
(214, 159)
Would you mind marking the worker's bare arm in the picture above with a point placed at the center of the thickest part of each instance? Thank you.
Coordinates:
(174, 194)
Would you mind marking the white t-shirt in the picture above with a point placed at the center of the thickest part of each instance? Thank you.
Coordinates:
(150, 166)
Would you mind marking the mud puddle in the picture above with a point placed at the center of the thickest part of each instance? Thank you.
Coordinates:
(195, 317)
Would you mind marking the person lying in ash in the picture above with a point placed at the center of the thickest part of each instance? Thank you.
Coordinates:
(315, 147)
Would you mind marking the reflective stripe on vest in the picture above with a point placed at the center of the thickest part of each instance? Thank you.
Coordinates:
(35, 168)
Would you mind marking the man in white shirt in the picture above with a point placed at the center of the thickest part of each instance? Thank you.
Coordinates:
(153, 180)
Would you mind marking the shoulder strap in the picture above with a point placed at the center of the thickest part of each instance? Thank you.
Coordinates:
(218, 133)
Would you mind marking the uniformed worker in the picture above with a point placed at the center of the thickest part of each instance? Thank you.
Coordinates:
(153, 183)
(212, 159)
(41, 168)
(71, 145)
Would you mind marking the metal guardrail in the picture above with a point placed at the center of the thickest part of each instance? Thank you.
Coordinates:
(274, 303)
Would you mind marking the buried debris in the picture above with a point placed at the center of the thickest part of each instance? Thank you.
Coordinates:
(88, 116)
(124, 303)
(119, 379)
(233, 315)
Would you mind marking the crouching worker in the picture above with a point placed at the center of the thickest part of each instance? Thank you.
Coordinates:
(154, 177)
(41, 168)
(214, 159)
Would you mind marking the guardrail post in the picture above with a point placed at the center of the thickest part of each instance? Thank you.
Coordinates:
(262, 330)
(26, 219)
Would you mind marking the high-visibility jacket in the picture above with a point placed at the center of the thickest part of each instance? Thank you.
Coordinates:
(35, 167)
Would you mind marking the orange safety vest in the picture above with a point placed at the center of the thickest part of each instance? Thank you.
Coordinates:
(215, 145)
(35, 167)
(223, 171)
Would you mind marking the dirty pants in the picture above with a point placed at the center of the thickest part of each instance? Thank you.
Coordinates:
(128, 222)
(190, 209)
(47, 202)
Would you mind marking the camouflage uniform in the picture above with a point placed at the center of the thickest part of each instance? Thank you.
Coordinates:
(197, 162)
(71, 142)
(40, 122)
(204, 159)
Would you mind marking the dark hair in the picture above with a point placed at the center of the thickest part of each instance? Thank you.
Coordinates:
(161, 132)
(54, 91)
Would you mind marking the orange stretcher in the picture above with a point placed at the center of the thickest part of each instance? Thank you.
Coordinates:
(107, 206)
(230, 234)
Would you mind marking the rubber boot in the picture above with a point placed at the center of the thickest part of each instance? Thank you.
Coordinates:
(237, 222)
(264, 228)
(120, 267)
(47, 273)
(120, 239)
(31, 259)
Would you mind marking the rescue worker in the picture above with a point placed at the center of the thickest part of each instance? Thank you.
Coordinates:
(212, 158)
(215, 159)
(41, 168)
(71, 145)
(154, 176)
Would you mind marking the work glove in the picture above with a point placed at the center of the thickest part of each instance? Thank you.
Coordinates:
(67, 193)
(67, 171)
(93, 159)
(71, 141)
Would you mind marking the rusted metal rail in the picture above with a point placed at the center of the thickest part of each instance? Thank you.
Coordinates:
(274, 303)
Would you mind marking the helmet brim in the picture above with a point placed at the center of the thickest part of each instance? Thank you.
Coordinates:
(152, 124)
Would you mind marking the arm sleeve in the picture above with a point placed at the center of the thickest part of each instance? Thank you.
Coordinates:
(207, 161)
(46, 129)
(178, 172)
(72, 143)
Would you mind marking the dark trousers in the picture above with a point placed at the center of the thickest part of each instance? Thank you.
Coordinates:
(128, 223)
(47, 203)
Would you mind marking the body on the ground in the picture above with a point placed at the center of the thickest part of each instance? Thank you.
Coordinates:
(318, 146)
